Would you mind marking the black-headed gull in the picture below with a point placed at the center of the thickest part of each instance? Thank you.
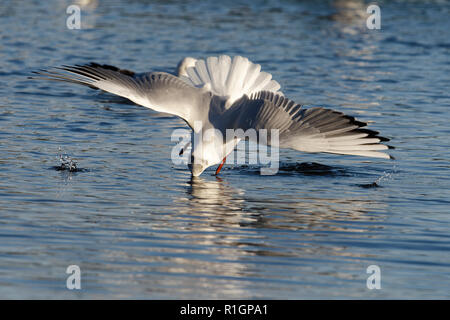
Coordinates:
(229, 93)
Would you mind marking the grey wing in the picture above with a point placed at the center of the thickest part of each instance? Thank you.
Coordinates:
(308, 130)
(159, 91)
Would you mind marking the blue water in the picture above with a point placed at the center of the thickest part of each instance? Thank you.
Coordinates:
(139, 227)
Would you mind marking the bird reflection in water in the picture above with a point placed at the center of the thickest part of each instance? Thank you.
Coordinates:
(214, 197)
(231, 234)
(217, 206)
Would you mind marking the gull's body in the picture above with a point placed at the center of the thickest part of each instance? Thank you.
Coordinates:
(221, 93)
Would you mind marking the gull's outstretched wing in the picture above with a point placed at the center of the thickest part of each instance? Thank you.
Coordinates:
(308, 130)
(159, 91)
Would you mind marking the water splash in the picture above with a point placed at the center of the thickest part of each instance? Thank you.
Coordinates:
(386, 176)
(66, 163)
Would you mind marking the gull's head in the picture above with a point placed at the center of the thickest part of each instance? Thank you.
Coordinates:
(202, 158)
(207, 151)
(197, 167)
(184, 64)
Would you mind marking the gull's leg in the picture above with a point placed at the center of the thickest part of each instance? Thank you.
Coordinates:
(220, 166)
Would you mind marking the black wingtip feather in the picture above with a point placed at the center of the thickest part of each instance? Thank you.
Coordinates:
(355, 122)
(112, 68)
(370, 133)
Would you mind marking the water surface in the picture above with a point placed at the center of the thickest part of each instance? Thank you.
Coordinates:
(140, 227)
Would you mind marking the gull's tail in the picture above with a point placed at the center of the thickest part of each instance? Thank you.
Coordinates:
(231, 79)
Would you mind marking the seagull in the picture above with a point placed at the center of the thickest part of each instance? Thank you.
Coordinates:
(222, 93)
